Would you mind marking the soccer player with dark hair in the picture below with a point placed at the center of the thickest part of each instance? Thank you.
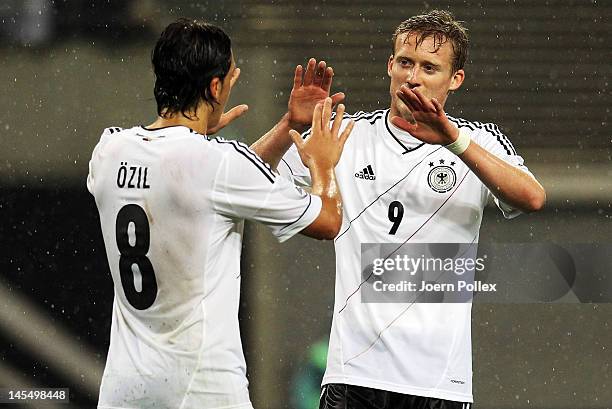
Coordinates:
(411, 174)
(172, 202)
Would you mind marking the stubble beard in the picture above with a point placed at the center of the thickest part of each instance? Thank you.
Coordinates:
(401, 109)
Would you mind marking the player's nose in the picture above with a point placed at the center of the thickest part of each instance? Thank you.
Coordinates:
(412, 80)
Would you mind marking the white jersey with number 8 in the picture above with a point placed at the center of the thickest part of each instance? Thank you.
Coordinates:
(172, 204)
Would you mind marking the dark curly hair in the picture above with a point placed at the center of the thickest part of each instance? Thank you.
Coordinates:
(442, 26)
(187, 56)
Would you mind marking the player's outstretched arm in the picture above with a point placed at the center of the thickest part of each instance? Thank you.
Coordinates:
(310, 87)
(508, 183)
(321, 153)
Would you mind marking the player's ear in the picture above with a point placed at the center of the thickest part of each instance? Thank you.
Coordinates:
(389, 65)
(457, 80)
(215, 88)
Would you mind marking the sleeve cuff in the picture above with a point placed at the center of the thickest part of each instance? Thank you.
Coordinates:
(311, 212)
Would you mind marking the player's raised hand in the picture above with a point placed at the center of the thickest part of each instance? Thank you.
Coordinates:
(310, 87)
(227, 118)
(324, 146)
(232, 114)
(430, 122)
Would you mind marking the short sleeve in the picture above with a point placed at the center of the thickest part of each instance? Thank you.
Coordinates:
(246, 187)
(94, 157)
(494, 141)
(90, 174)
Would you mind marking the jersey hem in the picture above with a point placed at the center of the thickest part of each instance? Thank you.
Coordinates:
(404, 389)
(246, 405)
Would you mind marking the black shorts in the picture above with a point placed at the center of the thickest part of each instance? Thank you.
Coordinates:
(340, 396)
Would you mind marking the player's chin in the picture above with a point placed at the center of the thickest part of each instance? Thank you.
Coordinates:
(403, 110)
(397, 102)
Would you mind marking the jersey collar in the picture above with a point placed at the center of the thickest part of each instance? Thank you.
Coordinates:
(407, 142)
(167, 127)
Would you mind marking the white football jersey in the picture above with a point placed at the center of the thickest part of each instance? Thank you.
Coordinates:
(417, 349)
(172, 204)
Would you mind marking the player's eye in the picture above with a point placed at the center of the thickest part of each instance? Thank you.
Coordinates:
(405, 63)
(429, 69)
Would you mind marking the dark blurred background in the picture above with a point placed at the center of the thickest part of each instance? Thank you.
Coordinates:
(539, 69)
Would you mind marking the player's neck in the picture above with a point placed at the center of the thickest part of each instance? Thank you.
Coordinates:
(393, 111)
(199, 125)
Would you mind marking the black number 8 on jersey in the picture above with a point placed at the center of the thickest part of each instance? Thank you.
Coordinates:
(135, 255)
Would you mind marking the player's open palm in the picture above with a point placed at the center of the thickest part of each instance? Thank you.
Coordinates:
(324, 146)
(310, 88)
(430, 122)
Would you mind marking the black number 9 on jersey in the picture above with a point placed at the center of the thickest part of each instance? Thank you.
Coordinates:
(396, 214)
(135, 255)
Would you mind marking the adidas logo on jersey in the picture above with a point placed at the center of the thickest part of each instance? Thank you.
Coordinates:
(366, 173)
